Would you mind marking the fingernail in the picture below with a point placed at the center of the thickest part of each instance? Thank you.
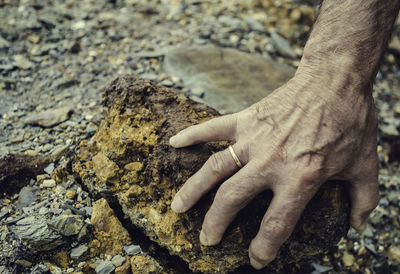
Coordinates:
(256, 264)
(172, 141)
(203, 238)
(177, 204)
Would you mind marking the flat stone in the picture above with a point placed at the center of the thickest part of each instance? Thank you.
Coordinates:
(48, 183)
(132, 249)
(105, 267)
(67, 225)
(26, 197)
(232, 80)
(78, 252)
(282, 45)
(37, 234)
(49, 169)
(118, 260)
(50, 117)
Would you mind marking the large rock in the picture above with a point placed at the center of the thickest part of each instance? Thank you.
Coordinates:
(139, 120)
(232, 80)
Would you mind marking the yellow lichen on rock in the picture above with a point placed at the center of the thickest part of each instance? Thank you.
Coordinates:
(110, 235)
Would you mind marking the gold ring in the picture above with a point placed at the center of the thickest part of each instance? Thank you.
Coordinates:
(235, 158)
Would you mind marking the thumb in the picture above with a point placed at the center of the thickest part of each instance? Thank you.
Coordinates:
(364, 193)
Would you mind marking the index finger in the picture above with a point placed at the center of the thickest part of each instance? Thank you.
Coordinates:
(217, 129)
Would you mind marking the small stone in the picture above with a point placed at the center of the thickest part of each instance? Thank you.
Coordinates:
(42, 177)
(118, 260)
(67, 225)
(26, 197)
(167, 83)
(24, 263)
(48, 183)
(149, 76)
(105, 267)
(79, 251)
(132, 249)
(50, 117)
(199, 92)
(394, 254)
(347, 259)
(49, 169)
(70, 194)
(389, 131)
(22, 62)
(282, 45)
(39, 269)
(31, 152)
(33, 38)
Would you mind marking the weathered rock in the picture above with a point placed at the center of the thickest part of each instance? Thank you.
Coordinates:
(26, 197)
(232, 80)
(118, 260)
(146, 116)
(67, 225)
(50, 117)
(105, 267)
(110, 235)
(78, 252)
(36, 233)
(132, 249)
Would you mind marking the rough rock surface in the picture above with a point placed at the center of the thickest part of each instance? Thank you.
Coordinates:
(110, 235)
(139, 119)
(232, 79)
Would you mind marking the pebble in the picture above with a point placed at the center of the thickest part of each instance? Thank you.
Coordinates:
(118, 260)
(347, 259)
(49, 169)
(70, 194)
(79, 251)
(48, 183)
(105, 267)
(282, 45)
(132, 249)
(167, 83)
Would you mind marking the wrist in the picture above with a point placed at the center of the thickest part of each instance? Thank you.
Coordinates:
(335, 77)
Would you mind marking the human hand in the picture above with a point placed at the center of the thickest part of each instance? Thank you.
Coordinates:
(290, 142)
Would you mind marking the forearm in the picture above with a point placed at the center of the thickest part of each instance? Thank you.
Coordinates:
(347, 42)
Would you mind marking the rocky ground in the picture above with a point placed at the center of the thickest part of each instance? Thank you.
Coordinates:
(55, 58)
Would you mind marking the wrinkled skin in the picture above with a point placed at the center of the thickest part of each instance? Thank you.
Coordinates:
(290, 142)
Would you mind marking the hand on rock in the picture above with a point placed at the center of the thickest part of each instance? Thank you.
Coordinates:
(290, 142)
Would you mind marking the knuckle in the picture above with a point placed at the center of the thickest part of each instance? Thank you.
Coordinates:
(263, 254)
(226, 195)
(275, 228)
(216, 164)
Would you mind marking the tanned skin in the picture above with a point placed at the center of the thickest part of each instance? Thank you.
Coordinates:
(321, 125)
